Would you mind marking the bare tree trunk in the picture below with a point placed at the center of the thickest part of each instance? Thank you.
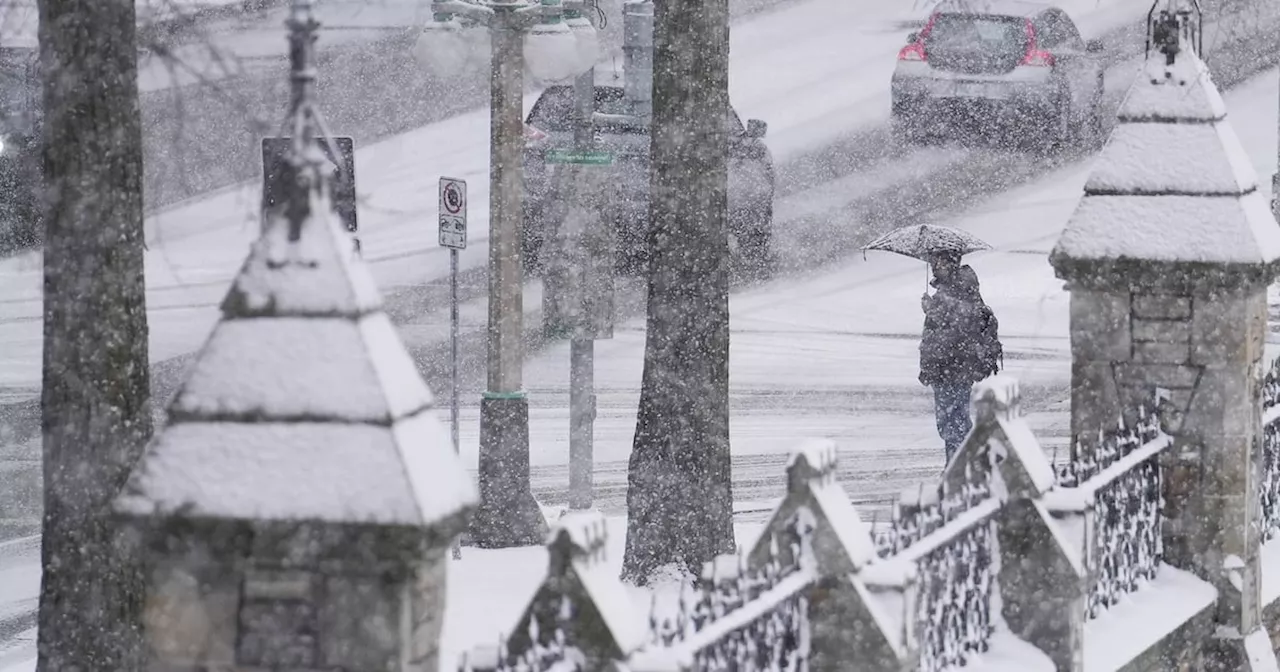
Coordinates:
(96, 386)
(679, 499)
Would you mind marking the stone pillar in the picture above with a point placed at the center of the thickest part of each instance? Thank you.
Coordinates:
(1167, 259)
(297, 507)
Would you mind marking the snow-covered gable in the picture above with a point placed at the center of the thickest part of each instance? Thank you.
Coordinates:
(842, 540)
(588, 530)
(304, 404)
(1173, 183)
(583, 594)
(1002, 442)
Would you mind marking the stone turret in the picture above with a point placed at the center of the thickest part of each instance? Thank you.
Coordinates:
(297, 509)
(1167, 259)
(298, 506)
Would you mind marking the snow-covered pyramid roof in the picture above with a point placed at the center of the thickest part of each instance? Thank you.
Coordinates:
(1173, 183)
(303, 404)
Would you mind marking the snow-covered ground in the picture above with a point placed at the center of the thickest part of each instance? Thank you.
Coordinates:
(815, 71)
(799, 347)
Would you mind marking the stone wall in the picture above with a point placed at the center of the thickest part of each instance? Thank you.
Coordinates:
(300, 598)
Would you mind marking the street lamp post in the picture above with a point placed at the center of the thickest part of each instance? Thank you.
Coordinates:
(522, 36)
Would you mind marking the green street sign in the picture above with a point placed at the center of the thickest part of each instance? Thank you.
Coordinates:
(577, 156)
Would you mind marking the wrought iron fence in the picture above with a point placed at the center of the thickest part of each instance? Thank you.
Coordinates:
(1112, 447)
(953, 610)
(777, 641)
(911, 526)
(1270, 480)
(773, 638)
(954, 605)
(553, 656)
(1127, 509)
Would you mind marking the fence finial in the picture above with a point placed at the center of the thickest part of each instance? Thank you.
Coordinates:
(996, 398)
(814, 462)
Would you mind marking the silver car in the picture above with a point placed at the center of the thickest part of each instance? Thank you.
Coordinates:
(999, 63)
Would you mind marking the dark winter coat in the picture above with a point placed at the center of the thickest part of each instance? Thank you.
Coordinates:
(955, 346)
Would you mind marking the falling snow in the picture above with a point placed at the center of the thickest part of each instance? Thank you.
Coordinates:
(304, 369)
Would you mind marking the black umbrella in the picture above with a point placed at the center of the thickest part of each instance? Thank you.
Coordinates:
(924, 241)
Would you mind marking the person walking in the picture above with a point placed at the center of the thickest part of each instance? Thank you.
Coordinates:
(960, 345)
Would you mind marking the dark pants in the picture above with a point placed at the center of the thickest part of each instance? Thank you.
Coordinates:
(951, 406)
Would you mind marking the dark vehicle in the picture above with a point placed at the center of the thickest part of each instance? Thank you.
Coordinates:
(1004, 62)
(751, 175)
(21, 117)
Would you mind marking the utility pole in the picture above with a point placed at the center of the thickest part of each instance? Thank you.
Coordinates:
(508, 513)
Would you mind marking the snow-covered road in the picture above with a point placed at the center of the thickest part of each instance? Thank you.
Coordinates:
(816, 71)
(830, 354)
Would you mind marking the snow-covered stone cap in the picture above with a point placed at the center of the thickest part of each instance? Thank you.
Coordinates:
(1182, 92)
(1155, 159)
(303, 369)
(317, 275)
(405, 475)
(303, 404)
(1174, 229)
(1173, 184)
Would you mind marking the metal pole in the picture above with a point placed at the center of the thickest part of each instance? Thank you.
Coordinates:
(508, 514)
(637, 51)
(582, 401)
(582, 415)
(453, 344)
(453, 366)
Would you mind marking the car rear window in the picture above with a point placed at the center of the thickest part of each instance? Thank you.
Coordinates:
(554, 111)
(969, 32)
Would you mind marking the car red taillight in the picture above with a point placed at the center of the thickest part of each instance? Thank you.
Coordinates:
(912, 52)
(533, 136)
(1035, 57)
(915, 50)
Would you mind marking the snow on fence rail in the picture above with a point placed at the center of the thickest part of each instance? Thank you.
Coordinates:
(952, 542)
(1006, 560)
(1120, 485)
(736, 616)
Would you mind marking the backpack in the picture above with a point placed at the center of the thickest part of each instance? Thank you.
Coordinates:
(990, 351)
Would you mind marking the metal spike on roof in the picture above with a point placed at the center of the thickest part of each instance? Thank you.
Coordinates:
(1175, 27)
(303, 122)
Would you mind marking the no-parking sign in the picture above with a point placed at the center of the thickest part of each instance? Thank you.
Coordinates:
(453, 213)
